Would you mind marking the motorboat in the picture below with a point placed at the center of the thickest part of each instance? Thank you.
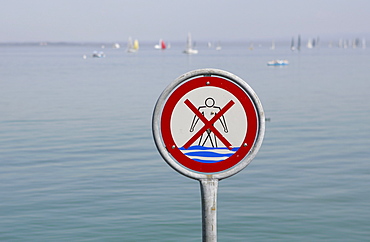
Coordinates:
(98, 54)
(278, 63)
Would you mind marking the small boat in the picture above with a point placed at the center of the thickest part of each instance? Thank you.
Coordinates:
(189, 46)
(161, 45)
(132, 47)
(97, 54)
(278, 63)
(116, 46)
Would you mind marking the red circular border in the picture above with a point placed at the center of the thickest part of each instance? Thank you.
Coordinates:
(250, 136)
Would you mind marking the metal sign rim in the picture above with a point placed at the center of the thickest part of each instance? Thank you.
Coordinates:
(156, 126)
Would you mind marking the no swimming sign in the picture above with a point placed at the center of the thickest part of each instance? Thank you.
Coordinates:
(208, 122)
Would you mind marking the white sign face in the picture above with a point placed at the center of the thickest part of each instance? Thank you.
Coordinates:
(209, 101)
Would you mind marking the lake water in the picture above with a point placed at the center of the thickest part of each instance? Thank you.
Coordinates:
(78, 161)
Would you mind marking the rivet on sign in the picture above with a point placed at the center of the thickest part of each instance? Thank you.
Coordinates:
(207, 83)
(173, 146)
(245, 144)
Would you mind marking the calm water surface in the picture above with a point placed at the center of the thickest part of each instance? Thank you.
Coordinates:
(78, 162)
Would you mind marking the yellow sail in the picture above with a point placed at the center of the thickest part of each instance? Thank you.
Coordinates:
(136, 44)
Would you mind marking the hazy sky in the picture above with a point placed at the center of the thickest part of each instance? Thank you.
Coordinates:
(116, 20)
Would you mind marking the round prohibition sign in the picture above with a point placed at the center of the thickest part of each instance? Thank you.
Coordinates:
(208, 122)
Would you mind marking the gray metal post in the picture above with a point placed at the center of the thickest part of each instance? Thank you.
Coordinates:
(208, 188)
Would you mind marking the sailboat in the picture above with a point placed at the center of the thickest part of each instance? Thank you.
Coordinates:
(132, 47)
(292, 45)
(272, 45)
(161, 45)
(218, 46)
(299, 43)
(189, 46)
(309, 44)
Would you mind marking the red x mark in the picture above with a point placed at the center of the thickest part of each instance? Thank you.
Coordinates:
(208, 124)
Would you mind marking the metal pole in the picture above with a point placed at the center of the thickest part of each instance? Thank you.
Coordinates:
(208, 189)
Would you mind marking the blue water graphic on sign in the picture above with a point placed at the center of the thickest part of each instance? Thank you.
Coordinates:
(208, 154)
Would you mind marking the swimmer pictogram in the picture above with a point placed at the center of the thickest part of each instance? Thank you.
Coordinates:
(216, 114)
